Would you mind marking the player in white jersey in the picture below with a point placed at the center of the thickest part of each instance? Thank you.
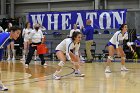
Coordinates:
(26, 31)
(71, 32)
(11, 45)
(114, 44)
(65, 47)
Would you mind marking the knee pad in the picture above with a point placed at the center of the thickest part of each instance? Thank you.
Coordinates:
(110, 57)
(123, 58)
(61, 63)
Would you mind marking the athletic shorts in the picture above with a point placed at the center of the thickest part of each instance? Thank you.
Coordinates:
(109, 43)
(57, 50)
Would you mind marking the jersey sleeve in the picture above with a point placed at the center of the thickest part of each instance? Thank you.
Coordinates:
(125, 36)
(117, 40)
(68, 45)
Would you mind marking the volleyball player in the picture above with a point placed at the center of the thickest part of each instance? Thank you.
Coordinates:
(65, 47)
(11, 45)
(5, 40)
(115, 45)
(26, 31)
(71, 32)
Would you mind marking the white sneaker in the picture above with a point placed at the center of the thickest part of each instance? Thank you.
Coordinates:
(23, 59)
(123, 68)
(56, 77)
(8, 58)
(81, 58)
(13, 58)
(26, 65)
(107, 70)
(4, 88)
(35, 58)
(79, 75)
(45, 64)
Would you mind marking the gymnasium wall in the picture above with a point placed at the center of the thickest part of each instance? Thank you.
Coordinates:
(22, 7)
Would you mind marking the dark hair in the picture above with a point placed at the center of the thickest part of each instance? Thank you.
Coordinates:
(26, 24)
(75, 34)
(14, 29)
(122, 26)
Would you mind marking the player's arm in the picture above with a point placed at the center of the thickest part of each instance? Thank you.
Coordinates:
(77, 52)
(68, 44)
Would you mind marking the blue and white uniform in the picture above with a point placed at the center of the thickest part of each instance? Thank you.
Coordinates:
(66, 45)
(117, 39)
(4, 41)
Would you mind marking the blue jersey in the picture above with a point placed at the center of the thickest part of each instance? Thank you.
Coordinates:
(5, 39)
(88, 31)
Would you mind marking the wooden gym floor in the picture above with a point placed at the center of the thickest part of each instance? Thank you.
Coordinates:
(38, 79)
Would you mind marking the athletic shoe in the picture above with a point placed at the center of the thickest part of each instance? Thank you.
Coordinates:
(123, 68)
(56, 77)
(79, 75)
(81, 58)
(26, 65)
(8, 58)
(3, 88)
(45, 64)
(23, 59)
(13, 58)
(107, 70)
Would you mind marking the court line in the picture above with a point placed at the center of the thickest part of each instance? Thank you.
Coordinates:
(38, 80)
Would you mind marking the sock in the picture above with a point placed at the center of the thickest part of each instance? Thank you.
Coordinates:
(57, 72)
(77, 71)
(13, 53)
(8, 53)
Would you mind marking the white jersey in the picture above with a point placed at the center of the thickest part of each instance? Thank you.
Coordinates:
(71, 32)
(36, 36)
(117, 38)
(66, 45)
(26, 33)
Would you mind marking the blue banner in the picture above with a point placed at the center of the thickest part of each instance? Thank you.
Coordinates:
(101, 19)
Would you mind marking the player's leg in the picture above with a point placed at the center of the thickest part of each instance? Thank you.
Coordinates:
(60, 55)
(1, 54)
(8, 51)
(76, 61)
(13, 50)
(30, 54)
(2, 87)
(25, 50)
(122, 55)
(111, 51)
